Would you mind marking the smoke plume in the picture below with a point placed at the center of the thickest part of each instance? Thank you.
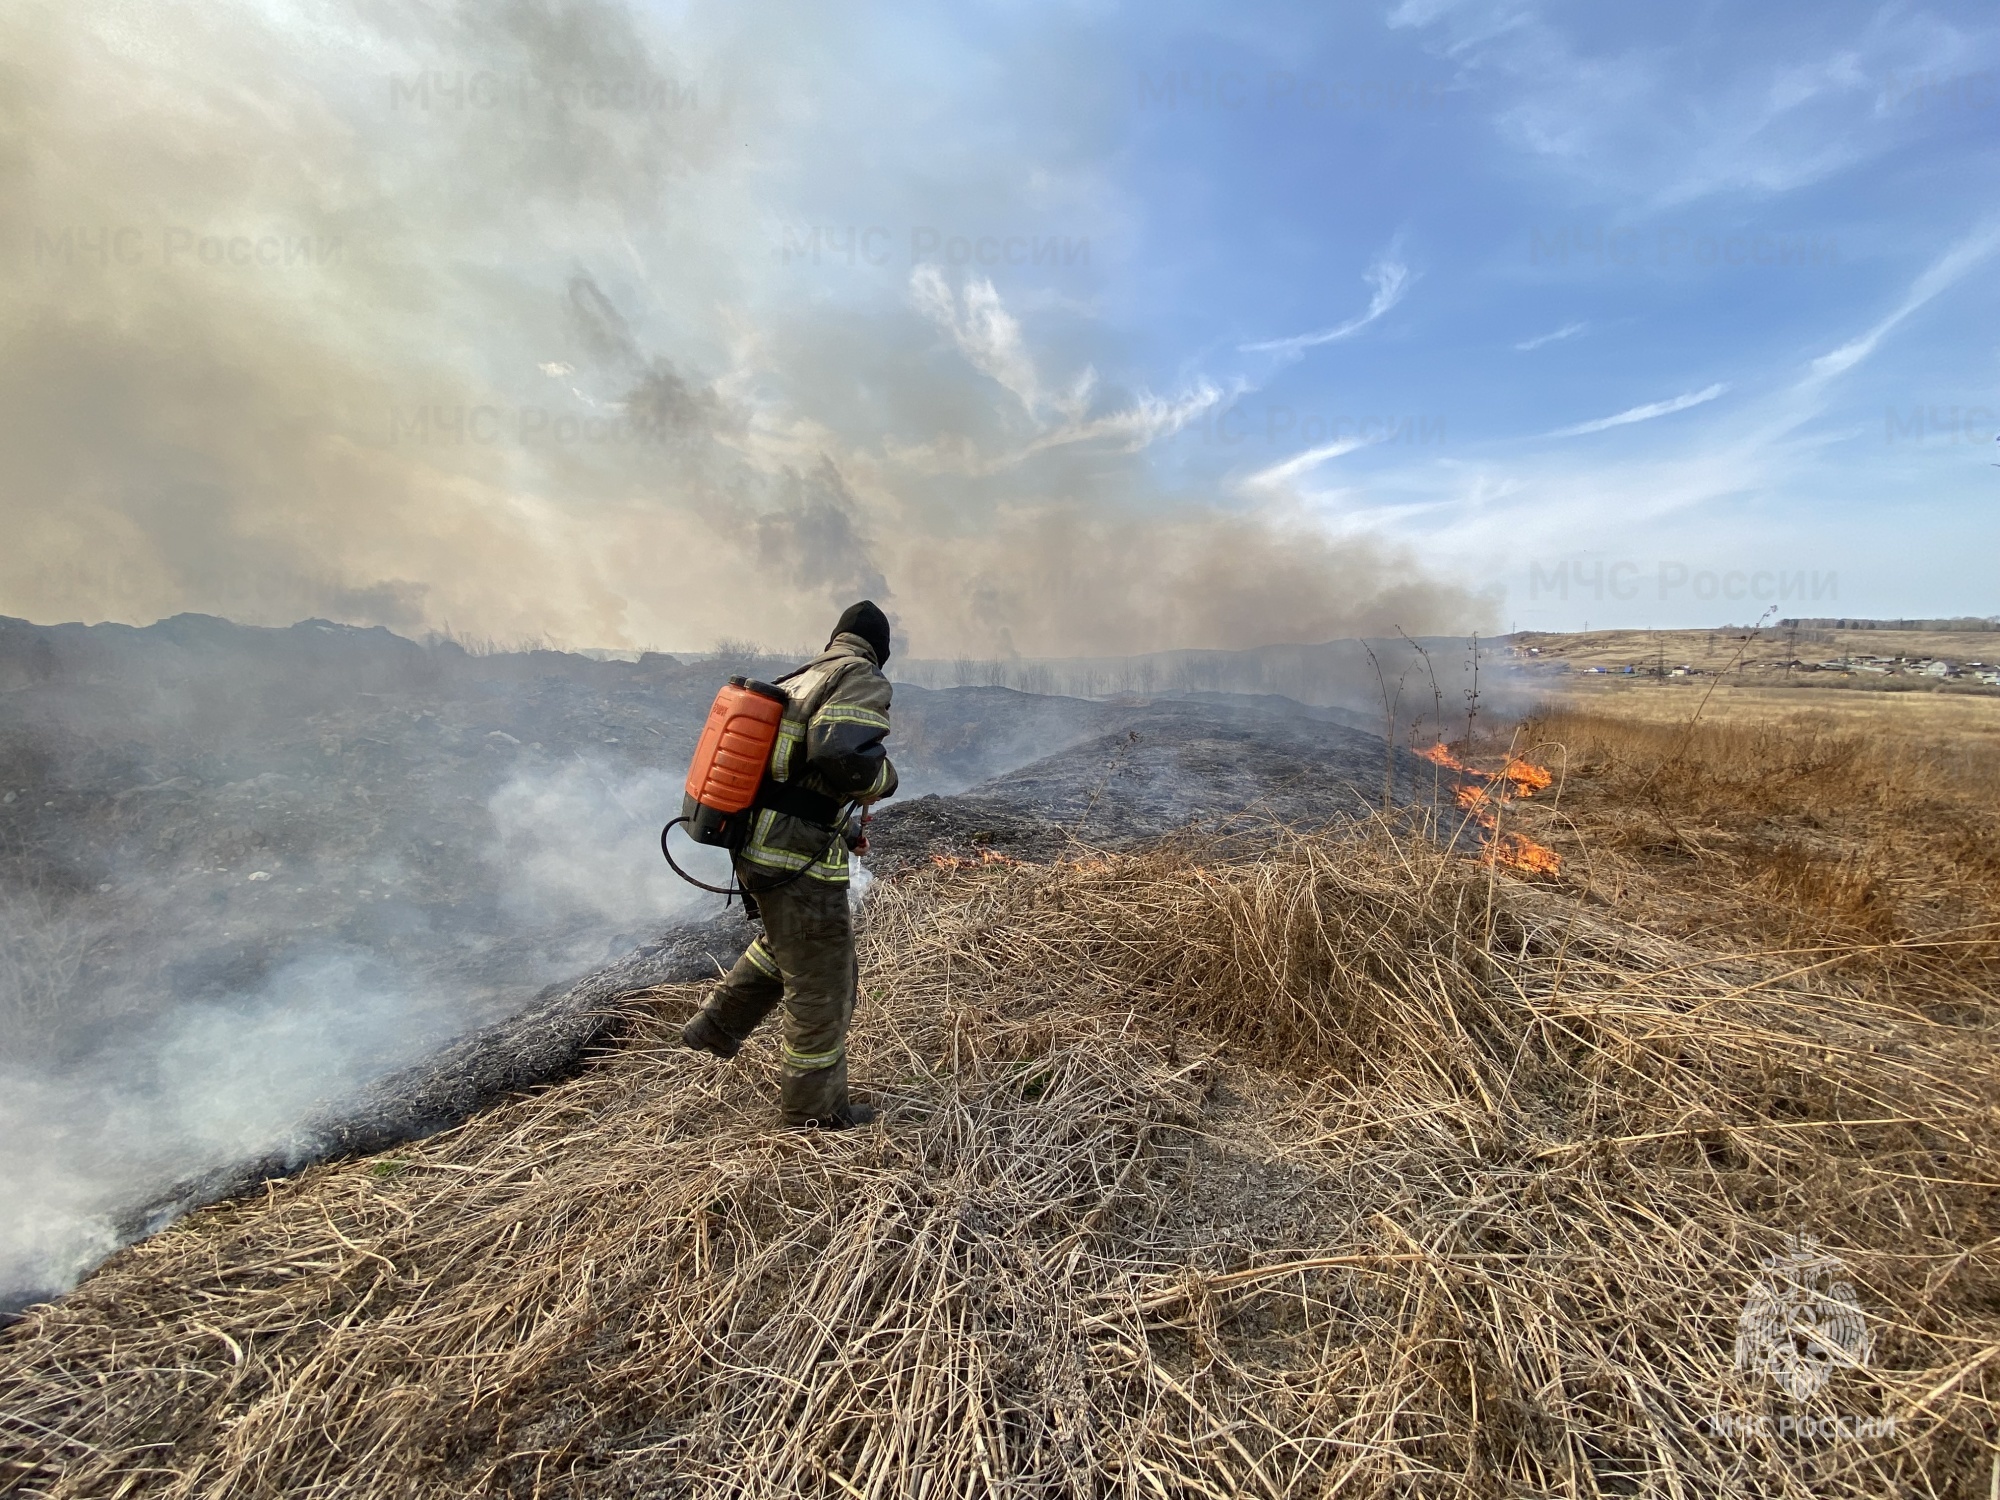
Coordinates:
(523, 319)
(125, 1074)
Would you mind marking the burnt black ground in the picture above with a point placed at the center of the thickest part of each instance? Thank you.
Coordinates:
(193, 806)
(1213, 768)
(150, 776)
(155, 773)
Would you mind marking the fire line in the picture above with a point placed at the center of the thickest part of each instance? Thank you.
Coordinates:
(1484, 793)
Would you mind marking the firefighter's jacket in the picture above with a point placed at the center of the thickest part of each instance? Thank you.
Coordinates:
(829, 749)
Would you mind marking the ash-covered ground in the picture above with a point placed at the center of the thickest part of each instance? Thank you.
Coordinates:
(1217, 768)
(270, 895)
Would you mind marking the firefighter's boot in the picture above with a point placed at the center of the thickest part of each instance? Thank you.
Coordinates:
(846, 1117)
(704, 1035)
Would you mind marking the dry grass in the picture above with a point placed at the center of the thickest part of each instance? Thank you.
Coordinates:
(1786, 829)
(1348, 1167)
(1956, 721)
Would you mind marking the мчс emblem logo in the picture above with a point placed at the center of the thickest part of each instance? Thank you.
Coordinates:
(1802, 1320)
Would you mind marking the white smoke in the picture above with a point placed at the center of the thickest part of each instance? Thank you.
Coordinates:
(91, 1141)
(578, 846)
(107, 1105)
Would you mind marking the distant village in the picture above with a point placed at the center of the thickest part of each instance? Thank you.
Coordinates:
(1966, 671)
(1885, 666)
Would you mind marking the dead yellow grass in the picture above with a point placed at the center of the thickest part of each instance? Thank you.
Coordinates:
(1345, 1167)
(1941, 718)
(1793, 829)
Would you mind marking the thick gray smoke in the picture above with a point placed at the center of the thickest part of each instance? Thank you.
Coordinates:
(519, 319)
(120, 1081)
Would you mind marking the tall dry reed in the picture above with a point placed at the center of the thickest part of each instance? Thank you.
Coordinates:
(1350, 1166)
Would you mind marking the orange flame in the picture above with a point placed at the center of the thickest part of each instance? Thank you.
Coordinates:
(1525, 855)
(1482, 796)
(965, 862)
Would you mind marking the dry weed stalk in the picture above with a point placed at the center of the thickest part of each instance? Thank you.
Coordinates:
(1254, 1175)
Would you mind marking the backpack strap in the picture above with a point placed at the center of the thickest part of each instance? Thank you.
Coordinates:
(798, 802)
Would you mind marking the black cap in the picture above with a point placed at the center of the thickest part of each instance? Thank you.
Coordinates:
(867, 621)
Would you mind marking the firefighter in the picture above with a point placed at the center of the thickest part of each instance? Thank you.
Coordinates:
(828, 759)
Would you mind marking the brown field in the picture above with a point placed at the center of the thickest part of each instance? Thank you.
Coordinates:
(1779, 814)
(1757, 655)
(1337, 1164)
(1953, 718)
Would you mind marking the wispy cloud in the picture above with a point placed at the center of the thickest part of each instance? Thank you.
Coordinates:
(1391, 277)
(991, 340)
(1587, 101)
(1644, 413)
(1564, 497)
(1148, 419)
(1937, 277)
(1282, 473)
(1567, 331)
(985, 332)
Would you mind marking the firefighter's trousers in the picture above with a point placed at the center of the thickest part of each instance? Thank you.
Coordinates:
(806, 960)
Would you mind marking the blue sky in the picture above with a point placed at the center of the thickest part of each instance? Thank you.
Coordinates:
(1639, 316)
(1064, 328)
(1677, 219)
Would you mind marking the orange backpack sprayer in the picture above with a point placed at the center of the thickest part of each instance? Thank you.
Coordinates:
(727, 772)
(730, 760)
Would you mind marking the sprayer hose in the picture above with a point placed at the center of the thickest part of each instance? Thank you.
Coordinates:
(720, 890)
(738, 889)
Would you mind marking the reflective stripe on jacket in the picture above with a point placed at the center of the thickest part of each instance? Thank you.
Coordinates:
(829, 743)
